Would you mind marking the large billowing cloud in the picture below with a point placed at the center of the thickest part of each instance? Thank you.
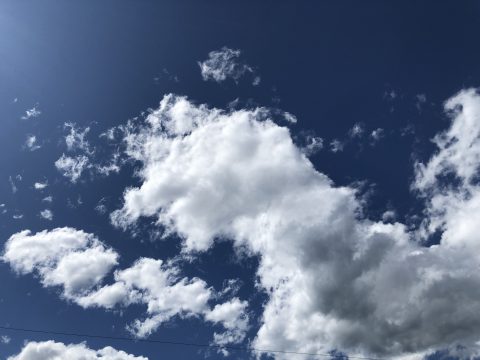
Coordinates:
(334, 279)
(51, 350)
(78, 262)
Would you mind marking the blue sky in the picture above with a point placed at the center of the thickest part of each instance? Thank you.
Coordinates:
(285, 175)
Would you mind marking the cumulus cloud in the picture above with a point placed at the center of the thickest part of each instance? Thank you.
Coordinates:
(334, 279)
(51, 350)
(72, 167)
(223, 64)
(65, 257)
(78, 262)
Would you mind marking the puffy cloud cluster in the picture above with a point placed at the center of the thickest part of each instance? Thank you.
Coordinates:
(223, 64)
(334, 279)
(51, 350)
(65, 257)
(78, 262)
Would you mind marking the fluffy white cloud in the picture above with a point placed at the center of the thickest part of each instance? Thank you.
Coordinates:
(78, 262)
(51, 350)
(223, 64)
(40, 185)
(334, 279)
(159, 286)
(72, 167)
(65, 257)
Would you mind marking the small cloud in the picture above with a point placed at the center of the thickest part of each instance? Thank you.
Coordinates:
(336, 146)
(31, 143)
(356, 131)
(166, 75)
(377, 134)
(290, 117)
(101, 208)
(72, 167)
(390, 95)
(46, 214)
(313, 145)
(389, 216)
(17, 216)
(5, 339)
(223, 64)
(48, 199)
(76, 138)
(13, 185)
(31, 113)
(40, 186)
(421, 99)
(15, 100)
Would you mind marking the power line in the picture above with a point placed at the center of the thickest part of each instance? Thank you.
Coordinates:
(180, 343)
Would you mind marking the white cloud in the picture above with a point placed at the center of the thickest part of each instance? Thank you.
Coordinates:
(65, 257)
(160, 287)
(449, 180)
(48, 199)
(356, 131)
(78, 262)
(334, 280)
(421, 99)
(290, 117)
(313, 145)
(31, 113)
(72, 167)
(46, 214)
(377, 134)
(5, 339)
(76, 138)
(51, 350)
(223, 64)
(40, 185)
(389, 216)
(13, 185)
(31, 143)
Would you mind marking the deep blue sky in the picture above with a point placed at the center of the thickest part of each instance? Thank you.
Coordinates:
(331, 63)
